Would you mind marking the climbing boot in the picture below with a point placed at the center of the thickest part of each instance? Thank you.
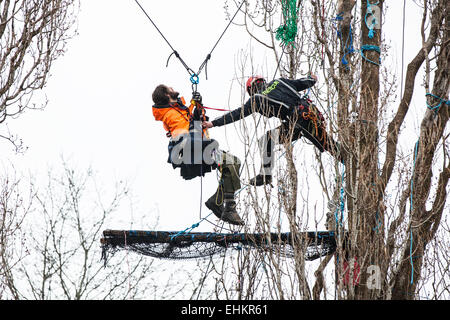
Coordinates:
(260, 179)
(212, 205)
(230, 214)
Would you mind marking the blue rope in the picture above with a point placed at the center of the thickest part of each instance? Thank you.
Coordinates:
(195, 225)
(435, 108)
(348, 47)
(367, 47)
(438, 106)
(374, 21)
(412, 189)
(378, 222)
(342, 203)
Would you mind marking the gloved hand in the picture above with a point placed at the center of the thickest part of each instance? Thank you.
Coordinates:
(197, 97)
(313, 76)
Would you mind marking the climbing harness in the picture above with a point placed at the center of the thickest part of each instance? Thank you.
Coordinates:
(188, 140)
(194, 76)
(310, 113)
(316, 120)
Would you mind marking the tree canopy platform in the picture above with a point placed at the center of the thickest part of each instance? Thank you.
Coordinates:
(186, 245)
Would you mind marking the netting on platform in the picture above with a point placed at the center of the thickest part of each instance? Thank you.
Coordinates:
(187, 245)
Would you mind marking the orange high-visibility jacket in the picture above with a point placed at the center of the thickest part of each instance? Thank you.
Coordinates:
(175, 117)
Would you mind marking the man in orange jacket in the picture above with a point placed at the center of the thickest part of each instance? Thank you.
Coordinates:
(183, 126)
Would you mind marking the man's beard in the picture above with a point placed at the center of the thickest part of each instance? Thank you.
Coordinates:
(174, 95)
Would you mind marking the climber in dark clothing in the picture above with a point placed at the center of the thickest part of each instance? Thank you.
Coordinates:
(299, 117)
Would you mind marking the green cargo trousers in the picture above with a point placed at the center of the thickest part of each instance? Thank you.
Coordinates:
(230, 182)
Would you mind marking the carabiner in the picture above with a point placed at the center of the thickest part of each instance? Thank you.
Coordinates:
(194, 78)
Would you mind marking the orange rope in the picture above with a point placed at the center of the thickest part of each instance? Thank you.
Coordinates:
(313, 115)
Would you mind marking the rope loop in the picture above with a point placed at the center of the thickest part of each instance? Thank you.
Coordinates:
(438, 106)
(370, 48)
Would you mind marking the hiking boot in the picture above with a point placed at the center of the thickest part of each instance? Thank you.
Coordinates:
(230, 214)
(212, 205)
(260, 179)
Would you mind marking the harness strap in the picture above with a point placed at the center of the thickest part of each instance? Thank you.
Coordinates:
(312, 115)
(202, 115)
(279, 102)
(272, 100)
(290, 88)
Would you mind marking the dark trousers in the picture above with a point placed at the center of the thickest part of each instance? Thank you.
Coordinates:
(305, 121)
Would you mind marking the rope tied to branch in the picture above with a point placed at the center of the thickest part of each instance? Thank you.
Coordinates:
(348, 49)
(189, 229)
(367, 47)
(438, 106)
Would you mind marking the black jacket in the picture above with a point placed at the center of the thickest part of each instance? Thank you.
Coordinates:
(276, 101)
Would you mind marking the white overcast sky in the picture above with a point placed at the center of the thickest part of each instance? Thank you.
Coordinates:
(99, 110)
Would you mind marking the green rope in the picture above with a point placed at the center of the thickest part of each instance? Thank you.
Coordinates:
(288, 31)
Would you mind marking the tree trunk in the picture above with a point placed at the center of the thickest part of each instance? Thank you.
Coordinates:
(424, 223)
(367, 239)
